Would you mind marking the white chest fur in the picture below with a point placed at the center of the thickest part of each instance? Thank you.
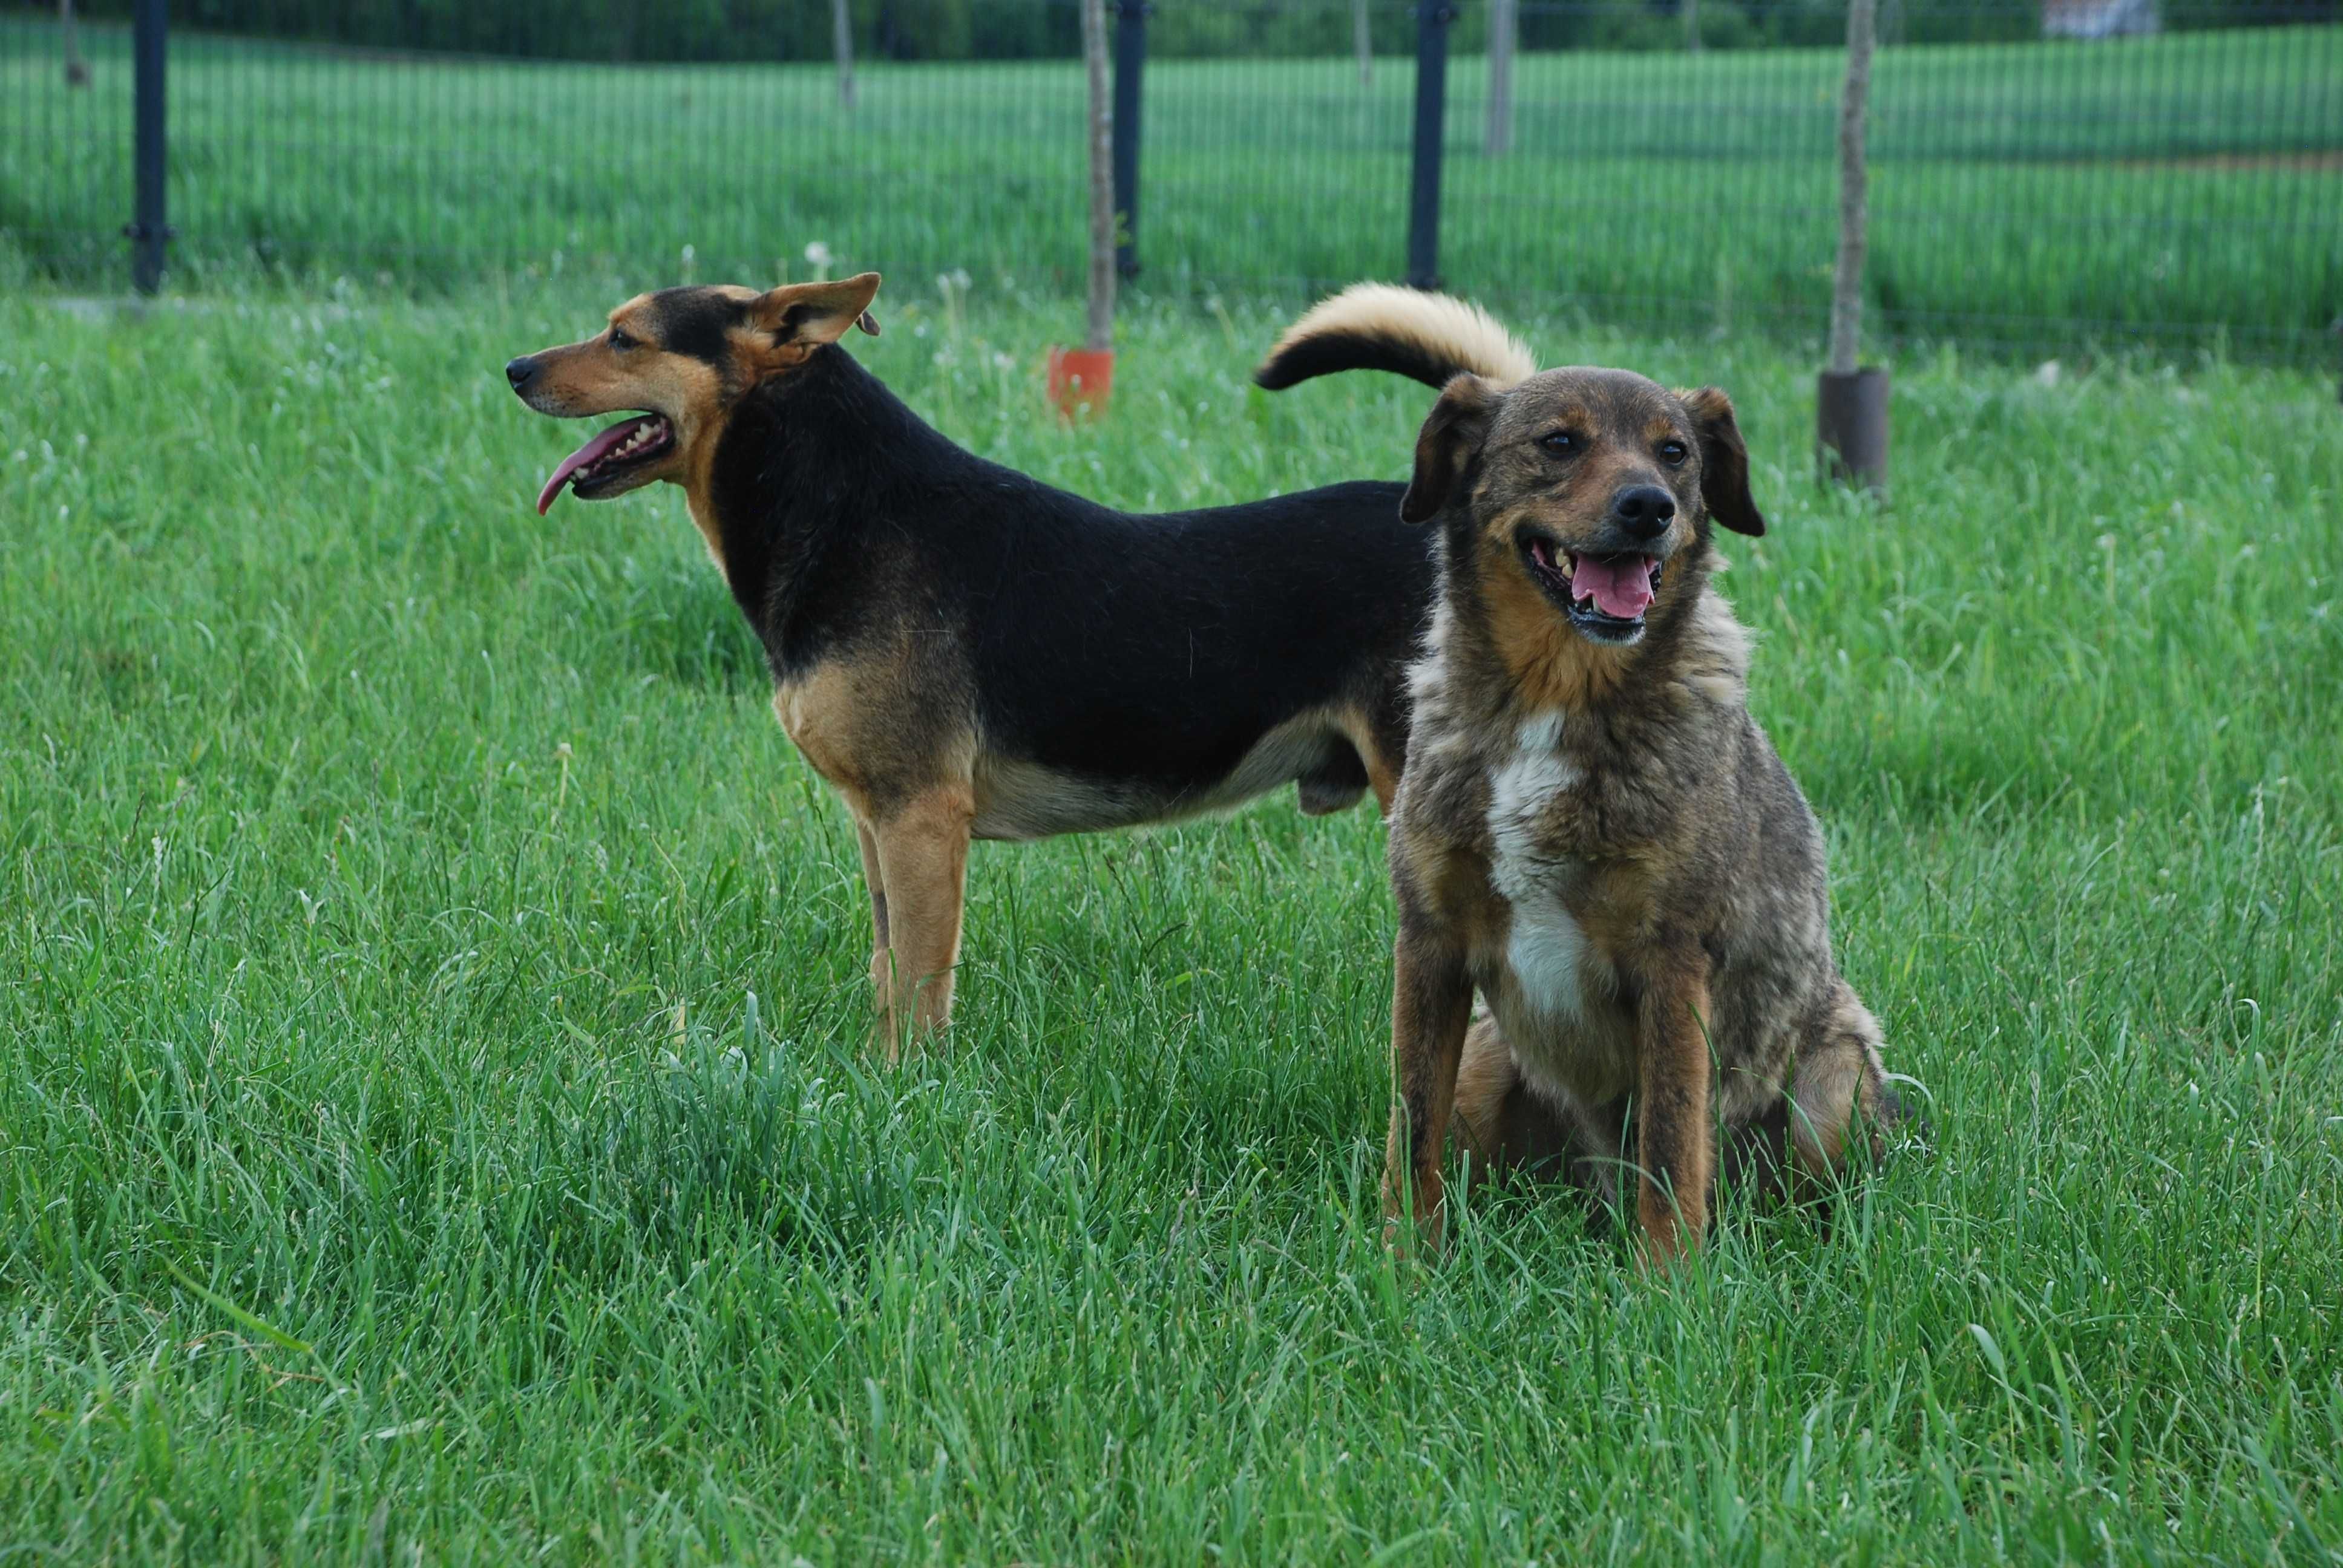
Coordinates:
(1544, 948)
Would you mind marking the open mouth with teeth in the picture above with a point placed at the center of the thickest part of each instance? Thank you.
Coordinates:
(598, 467)
(1605, 595)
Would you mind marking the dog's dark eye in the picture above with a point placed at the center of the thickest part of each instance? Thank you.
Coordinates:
(1561, 443)
(1672, 453)
(619, 339)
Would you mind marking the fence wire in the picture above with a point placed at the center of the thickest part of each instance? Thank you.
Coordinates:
(2176, 188)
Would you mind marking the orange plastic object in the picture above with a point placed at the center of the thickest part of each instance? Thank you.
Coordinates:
(1081, 378)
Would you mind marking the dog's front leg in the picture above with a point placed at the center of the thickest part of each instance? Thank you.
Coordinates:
(1676, 1145)
(1432, 1001)
(922, 855)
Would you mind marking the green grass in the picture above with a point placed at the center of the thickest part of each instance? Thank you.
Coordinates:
(2180, 190)
(392, 1166)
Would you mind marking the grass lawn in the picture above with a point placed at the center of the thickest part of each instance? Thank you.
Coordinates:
(2179, 189)
(394, 1165)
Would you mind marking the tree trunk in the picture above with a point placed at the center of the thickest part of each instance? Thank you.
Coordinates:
(1101, 124)
(1504, 23)
(1854, 210)
(841, 43)
(76, 68)
(1363, 43)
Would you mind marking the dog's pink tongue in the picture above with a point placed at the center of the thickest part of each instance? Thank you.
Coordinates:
(1620, 587)
(590, 452)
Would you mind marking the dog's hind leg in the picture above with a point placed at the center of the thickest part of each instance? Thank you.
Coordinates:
(1755, 1155)
(874, 878)
(922, 856)
(1838, 1080)
(1505, 1126)
(1378, 736)
(1513, 1132)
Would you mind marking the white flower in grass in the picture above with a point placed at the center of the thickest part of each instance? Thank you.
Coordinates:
(818, 256)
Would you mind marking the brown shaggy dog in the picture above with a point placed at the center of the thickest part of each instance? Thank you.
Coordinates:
(1591, 829)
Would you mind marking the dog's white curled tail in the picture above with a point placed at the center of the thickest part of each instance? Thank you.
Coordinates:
(1430, 337)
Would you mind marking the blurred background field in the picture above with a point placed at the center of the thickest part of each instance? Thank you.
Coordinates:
(2178, 191)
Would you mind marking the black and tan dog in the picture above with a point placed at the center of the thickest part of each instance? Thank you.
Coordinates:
(963, 652)
(1591, 829)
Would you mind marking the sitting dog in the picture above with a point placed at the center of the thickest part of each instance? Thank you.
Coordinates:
(962, 651)
(1591, 829)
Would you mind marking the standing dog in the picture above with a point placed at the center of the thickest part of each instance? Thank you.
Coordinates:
(962, 651)
(1592, 829)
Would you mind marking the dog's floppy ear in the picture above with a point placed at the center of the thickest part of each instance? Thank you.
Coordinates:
(1724, 462)
(809, 315)
(1455, 427)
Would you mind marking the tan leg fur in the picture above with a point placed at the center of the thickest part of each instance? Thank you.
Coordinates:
(922, 859)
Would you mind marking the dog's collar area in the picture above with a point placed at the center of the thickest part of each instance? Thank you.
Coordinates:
(1605, 595)
(624, 445)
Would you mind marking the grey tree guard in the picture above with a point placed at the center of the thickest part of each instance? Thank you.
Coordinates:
(1854, 193)
(1851, 401)
(1504, 26)
(1100, 337)
(76, 68)
(841, 43)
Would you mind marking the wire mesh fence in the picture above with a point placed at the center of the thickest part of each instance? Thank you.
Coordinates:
(2176, 187)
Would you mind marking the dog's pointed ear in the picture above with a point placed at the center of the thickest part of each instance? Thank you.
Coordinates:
(1450, 434)
(809, 315)
(1724, 462)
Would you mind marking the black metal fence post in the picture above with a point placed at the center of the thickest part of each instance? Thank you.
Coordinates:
(148, 229)
(1431, 20)
(1130, 64)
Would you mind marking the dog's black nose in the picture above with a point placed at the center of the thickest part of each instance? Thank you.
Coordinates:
(520, 372)
(1643, 511)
